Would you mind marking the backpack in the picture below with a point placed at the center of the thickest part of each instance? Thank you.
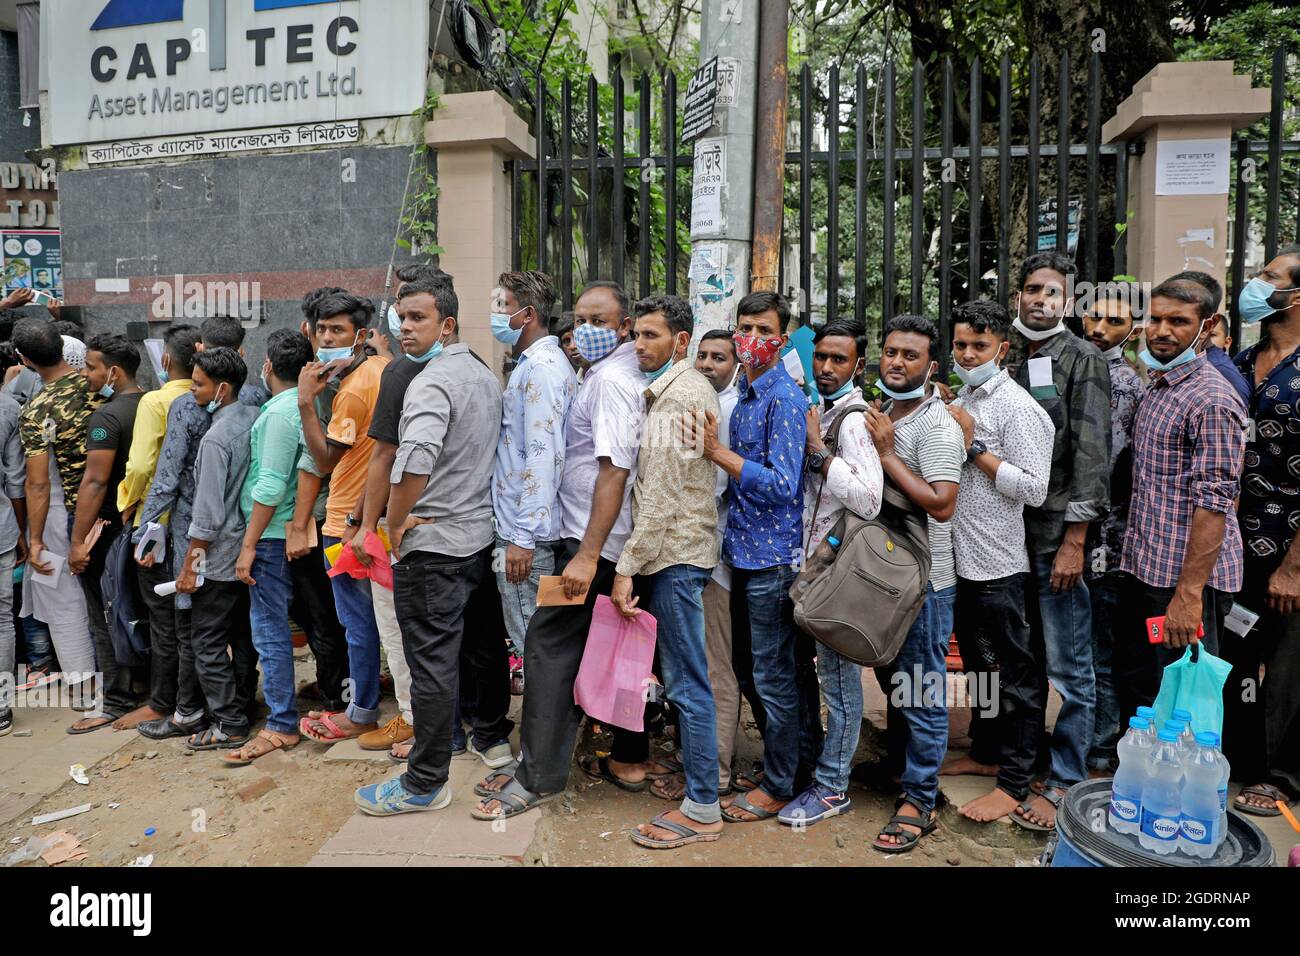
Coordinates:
(861, 599)
(123, 608)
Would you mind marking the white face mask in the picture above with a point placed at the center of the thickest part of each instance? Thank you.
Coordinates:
(977, 376)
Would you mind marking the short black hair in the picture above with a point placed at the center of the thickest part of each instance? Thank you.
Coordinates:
(39, 342)
(676, 311)
(983, 315)
(71, 329)
(181, 342)
(1292, 250)
(313, 298)
(359, 311)
(844, 328)
(1051, 259)
(912, 323)
(444, 296)
(562, 326)
(117, 350)
(222, 331)
(288, 351)
(725, 334)
(619, 293)
(423, 272)
(1201, 278)
(1190, 291)
(756, 303)
(8, 319)
(223, 365)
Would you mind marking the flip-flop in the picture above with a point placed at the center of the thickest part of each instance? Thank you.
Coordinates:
(674, 767)
(515, 799)
(236, 758)
(685, 835)
(656, 791)
(742, 803)
(754, 779)
(207, 742)
(894, 827)
(1019, 819)
(307, 729)
(597, 768)
(1265, 790)
(71, 729)
(507, 771)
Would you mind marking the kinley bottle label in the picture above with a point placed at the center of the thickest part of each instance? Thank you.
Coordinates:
(1158, 826)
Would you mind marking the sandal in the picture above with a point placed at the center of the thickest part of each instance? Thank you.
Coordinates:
(508, 771)
(319, 727)
(1268, 792)
(669, 788)
(597, 768)
(514, 799)
(207, 740)
(1018, 816)
(685, 835)
(108, 721)
(674, 767)
(894, 827)
(749, 780)
(255, 748)
(742, 803)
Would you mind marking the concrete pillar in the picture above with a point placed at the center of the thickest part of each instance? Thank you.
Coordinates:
(474, 135)
(1173, 104)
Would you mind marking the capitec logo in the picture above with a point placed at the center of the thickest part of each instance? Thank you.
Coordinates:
(137, 13)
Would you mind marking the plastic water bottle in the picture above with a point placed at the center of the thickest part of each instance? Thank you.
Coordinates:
(1199, 825)
(1211, 740)
(1126, 789)
(1186, 737)
(1162, 796)
(1149, 715)
(1175, 727)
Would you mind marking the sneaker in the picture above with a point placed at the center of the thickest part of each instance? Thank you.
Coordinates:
(498, 755)
(814, 804)
(6, 721)
(390, 797)
(393, 732)
(458, 741)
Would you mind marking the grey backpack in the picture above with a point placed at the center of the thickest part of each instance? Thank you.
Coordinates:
(861, 599)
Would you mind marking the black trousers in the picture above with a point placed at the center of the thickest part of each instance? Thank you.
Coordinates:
(313, 610)
(1261, 721)
(449, 611)
(991, 615)
(219, 607)
(553, 650)
(1138, 664)
(118, 697)
(173, 681)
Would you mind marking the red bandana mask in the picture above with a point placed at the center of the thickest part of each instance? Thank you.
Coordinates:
(754, 351)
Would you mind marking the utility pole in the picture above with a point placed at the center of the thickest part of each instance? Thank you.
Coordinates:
(769, 160)
(722, 197)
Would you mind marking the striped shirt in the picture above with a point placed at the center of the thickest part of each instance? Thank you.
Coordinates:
(930, 443)
(1188, 443)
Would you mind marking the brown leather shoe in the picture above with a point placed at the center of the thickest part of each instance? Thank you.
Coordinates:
(393, 732)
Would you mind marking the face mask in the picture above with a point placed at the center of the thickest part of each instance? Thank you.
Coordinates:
(215, 403)
(106, 390)
(1111, 354)
(266, 382)
(594, 342)
(433, 353)
(659, 371)
(839, 393)
(501, 330)
(1035, 335)
(977, 376)
(754, 351)
(918, 392)
(1253, 301)
(1151, 362)
(394, 322)
(333, 355)
(163, 377)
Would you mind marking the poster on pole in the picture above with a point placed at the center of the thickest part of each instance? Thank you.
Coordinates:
(1047, 225)
(33, 259)
(1192, 167)
(701, 96)
(706, 191)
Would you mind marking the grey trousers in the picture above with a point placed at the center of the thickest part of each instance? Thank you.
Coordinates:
(726, 689)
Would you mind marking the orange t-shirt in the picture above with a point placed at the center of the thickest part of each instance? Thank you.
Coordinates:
(349, 426)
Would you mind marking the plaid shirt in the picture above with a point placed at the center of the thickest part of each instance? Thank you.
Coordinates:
(1188, 440)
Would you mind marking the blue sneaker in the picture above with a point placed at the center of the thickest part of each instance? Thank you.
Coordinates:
(814, 804)
(390, 797)
(458, 740)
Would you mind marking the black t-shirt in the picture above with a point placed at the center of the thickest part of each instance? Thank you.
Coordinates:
(393, 384)
(109, 429)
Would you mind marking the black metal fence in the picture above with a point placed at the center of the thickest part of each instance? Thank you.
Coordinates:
(588, 163)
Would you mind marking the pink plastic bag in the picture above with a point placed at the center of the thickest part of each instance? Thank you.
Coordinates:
(616, 667)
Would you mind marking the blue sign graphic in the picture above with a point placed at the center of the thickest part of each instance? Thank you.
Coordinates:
(134, 13)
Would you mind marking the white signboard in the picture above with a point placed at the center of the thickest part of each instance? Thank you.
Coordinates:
(235, 141)
(728, 80)
(706, 194)
(123, 69)
(1192, 167)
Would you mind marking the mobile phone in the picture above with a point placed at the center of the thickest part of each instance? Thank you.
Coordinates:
(1156, 629)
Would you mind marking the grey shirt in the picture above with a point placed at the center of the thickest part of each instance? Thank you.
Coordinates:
(219, 474)
(448, 432)
(13, 467)
(25, 384)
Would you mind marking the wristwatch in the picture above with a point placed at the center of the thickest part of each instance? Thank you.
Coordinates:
(815, 462)
(352, 520)
(976, 449)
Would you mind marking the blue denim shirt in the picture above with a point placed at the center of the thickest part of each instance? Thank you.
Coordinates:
(768, 430)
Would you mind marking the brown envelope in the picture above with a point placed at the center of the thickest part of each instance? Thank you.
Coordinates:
(550, 592)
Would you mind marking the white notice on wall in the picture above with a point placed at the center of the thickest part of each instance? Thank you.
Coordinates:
(1192, 167)
(706, 194)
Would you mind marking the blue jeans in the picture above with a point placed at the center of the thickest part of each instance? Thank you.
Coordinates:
(1107, 620)
(1065, 621)
(269, 602)
(519, 601)
(761, 610)
(916, 685)
(356, 610)
(36, 638)
(677, 602)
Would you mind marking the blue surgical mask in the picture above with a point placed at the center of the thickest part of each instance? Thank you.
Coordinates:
(840, 392)
(333, 355)
(659, 371)
(918, 392)
(501, 330)
(433, 353)
(266, 384)
(106, 390)
(394, 322)
(1253, 300)
(163, 377)
(1151, 362)
(977, 376)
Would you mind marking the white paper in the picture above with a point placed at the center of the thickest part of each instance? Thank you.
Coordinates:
(708, 260)
(709, 182)
(57, 563)
(153, 540)
(1192, 167)
(728, 80)
(155, 349)
(793, 365)
(1240, 620)
(1040, 371)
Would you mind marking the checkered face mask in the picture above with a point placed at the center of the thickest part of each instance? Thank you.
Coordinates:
(594, 342)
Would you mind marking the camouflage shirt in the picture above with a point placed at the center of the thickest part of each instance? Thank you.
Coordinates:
(55, 421)
(1078, 401)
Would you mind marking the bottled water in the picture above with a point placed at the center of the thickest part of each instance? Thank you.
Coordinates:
(1186, 737)
(1211, 740)
(1126, 789)
(1199, 824)
(1176, 727)
(1149, 715)
(1162, 796)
